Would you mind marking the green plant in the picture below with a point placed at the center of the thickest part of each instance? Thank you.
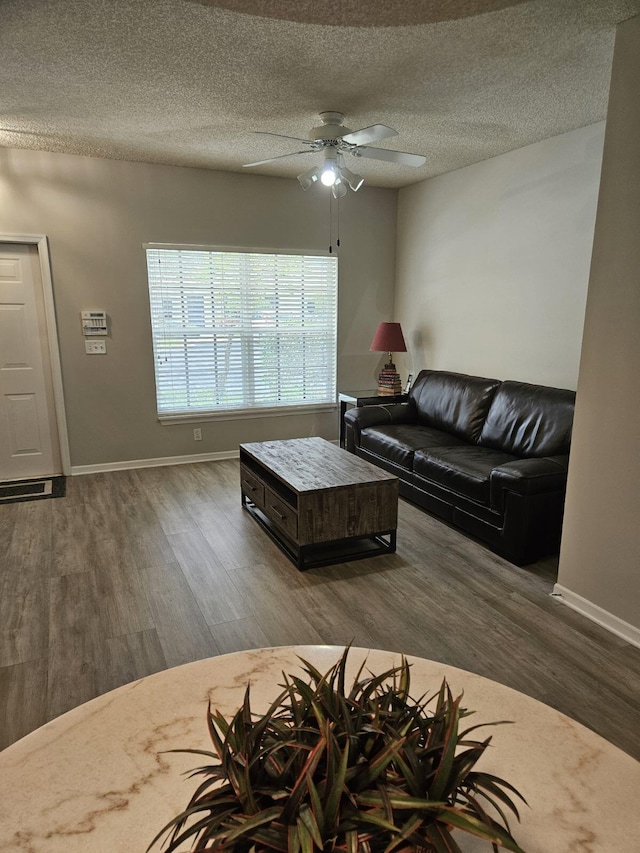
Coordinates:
(328, 770)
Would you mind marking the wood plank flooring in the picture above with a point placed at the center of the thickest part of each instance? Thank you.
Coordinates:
(135, 571)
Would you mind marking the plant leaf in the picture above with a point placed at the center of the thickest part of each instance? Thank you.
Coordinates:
(449, 748)
(473, 826)
(441, 839)
(254, 821)
(335, 793)
(307, 817)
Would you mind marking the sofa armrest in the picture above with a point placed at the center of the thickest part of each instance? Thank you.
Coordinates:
(357, 419)
(529, 477)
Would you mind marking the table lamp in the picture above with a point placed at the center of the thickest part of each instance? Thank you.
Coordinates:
(389, 338)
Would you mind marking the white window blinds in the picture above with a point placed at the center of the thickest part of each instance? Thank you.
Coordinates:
(242, 330)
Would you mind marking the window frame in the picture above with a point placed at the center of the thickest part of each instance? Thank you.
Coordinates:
(245, 412)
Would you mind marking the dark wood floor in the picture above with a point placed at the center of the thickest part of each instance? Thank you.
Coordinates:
(135, 571)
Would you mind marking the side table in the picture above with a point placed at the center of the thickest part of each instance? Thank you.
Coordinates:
(364, 398)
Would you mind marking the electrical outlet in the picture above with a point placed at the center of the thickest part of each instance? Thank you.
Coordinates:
(197, 434)
(95, 347)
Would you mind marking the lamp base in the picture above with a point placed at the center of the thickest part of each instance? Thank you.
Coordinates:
(389, 383)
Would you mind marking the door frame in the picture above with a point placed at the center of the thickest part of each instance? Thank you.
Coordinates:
(42, 246)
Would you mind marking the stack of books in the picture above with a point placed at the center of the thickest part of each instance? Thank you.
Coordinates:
(389, 381)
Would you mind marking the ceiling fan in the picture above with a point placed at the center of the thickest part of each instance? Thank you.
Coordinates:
(336, 140)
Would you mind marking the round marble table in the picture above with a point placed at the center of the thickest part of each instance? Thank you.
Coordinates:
(98, 778)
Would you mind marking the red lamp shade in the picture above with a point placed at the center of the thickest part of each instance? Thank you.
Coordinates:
(388, 338)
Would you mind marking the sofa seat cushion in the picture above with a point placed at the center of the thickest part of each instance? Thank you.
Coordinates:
(399, 442)
(466, 469)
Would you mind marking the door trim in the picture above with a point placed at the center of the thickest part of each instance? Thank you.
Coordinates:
(41, 243)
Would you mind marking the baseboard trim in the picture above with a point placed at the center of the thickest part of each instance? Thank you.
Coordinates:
(129, 464)
(597, 614)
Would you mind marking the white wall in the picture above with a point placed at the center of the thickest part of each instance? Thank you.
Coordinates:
(600, 557)
(493, 262)
(98, 213)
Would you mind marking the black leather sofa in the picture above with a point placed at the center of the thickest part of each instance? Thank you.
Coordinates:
(488, 456)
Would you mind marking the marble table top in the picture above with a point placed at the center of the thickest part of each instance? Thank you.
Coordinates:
(99, 779)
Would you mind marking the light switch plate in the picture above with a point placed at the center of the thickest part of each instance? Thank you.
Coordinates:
(95, 347)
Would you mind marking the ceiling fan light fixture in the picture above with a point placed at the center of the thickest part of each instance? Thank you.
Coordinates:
(328, 176)
(310, 177)
(339, 189)
(330, 171)
(354, 181)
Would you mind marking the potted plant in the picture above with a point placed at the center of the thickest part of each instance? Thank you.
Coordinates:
(363, 770)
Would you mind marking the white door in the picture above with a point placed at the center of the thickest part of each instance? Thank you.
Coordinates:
(29, 444)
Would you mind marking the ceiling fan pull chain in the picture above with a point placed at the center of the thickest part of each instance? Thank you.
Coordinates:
(330, 229)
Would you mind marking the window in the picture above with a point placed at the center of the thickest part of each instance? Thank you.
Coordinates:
(238, 331)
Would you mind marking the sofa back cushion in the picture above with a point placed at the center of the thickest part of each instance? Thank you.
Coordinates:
(529, 420)
(453, 402)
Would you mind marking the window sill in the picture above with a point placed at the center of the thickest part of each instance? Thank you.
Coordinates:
(243, 414)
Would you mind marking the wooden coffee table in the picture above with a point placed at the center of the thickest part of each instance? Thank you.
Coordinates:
(320, 504)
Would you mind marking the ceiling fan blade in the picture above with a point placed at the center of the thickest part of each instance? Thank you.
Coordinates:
(280, 136)
(400, 157)
(274, 159)
(369, 134)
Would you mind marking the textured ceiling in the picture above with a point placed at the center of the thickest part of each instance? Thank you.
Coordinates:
(186, 82)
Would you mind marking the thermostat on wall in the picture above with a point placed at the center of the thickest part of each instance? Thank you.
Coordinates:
(94, 322)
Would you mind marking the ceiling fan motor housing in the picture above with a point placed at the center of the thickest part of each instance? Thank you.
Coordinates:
(331, 129)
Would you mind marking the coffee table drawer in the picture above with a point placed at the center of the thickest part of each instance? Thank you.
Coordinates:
(252, 486)
(281, 513)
